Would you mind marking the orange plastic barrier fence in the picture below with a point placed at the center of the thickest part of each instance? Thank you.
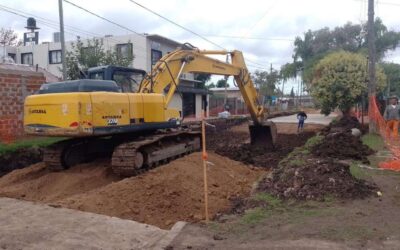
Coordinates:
(392, 142)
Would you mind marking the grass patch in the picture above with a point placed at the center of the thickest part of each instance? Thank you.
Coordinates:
(296, 157)
(269, 199)
(357, 172)
(255, 216)
(373, 141)
(315, 140)
(37, 142)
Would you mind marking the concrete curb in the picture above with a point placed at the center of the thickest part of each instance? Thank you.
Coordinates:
(172, 234)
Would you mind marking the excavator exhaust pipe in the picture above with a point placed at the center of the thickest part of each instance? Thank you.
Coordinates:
(263, 135)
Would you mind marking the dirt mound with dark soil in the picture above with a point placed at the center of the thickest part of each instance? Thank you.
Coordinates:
(342, 145)
(344, 124)
(258, 156)
(347, 122)
(314, 179)
(161, 197)
(19, 158)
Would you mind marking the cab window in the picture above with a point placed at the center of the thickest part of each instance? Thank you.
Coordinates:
(128, 81)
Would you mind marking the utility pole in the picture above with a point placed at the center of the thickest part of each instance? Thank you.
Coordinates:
(388, 91)
(61, 16)
(372, 58)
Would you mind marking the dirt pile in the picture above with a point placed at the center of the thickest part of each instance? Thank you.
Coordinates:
(314, 179)
(342, 145)
(259, 156)
(20, 158)
(344, 124)
(36, 183)
(314, 172)
(160, 197)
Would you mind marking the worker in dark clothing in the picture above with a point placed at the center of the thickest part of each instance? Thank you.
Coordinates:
(301, 116)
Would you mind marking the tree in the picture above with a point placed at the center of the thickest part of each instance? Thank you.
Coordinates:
(204, 78)
(92, 54)
(221, 83)
(9, 37)
(315, 45)
(392, 72)
(292, 93)
(339, 81)
(266, 81)
(211, 85)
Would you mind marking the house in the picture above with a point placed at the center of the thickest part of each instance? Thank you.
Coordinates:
(234, 101)
(147, 49)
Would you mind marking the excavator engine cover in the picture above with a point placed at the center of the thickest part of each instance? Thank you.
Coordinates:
(263, 135)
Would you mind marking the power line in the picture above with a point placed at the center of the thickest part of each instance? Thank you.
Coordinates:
(259, 20)
(103, 18)
(51, 21)
(176, 24)
(253, 38)
(260, 66)
(55, 25)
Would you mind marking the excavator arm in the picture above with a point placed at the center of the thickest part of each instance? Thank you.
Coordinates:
(166, 74)
(165, 78)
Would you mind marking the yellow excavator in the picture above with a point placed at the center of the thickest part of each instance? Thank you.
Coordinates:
(130, 120)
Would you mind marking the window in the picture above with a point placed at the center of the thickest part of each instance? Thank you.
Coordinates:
(155, 56)
(124, 50)
(27, 58)
(128, 81)
(13, 56)
(55, 56)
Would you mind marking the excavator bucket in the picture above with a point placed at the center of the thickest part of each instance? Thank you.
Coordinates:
(263, 134)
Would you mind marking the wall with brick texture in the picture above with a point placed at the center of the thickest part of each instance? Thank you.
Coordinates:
(15, 85)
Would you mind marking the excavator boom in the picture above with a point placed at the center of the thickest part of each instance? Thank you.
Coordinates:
(167, 72)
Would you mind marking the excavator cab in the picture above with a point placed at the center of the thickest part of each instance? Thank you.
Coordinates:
(128, 79)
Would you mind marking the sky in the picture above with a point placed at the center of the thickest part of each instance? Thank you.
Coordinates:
(263, 30)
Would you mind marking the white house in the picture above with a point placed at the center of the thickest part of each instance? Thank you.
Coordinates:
(147, 49)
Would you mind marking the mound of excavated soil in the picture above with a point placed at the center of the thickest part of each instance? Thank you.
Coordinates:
(342, 146)
(344, 124)
(314, 179)
(347, 122)
(259, 156)
(160, 197)
(170, 193)
(36, 183)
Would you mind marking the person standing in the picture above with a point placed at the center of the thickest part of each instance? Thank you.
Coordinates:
(392, 117)
(301, 116)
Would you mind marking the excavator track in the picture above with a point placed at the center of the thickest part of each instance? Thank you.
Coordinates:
(129, 158)
(135, 157)
(67, 153)
(61, 155)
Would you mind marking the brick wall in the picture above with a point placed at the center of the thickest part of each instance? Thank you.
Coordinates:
(15, 85)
